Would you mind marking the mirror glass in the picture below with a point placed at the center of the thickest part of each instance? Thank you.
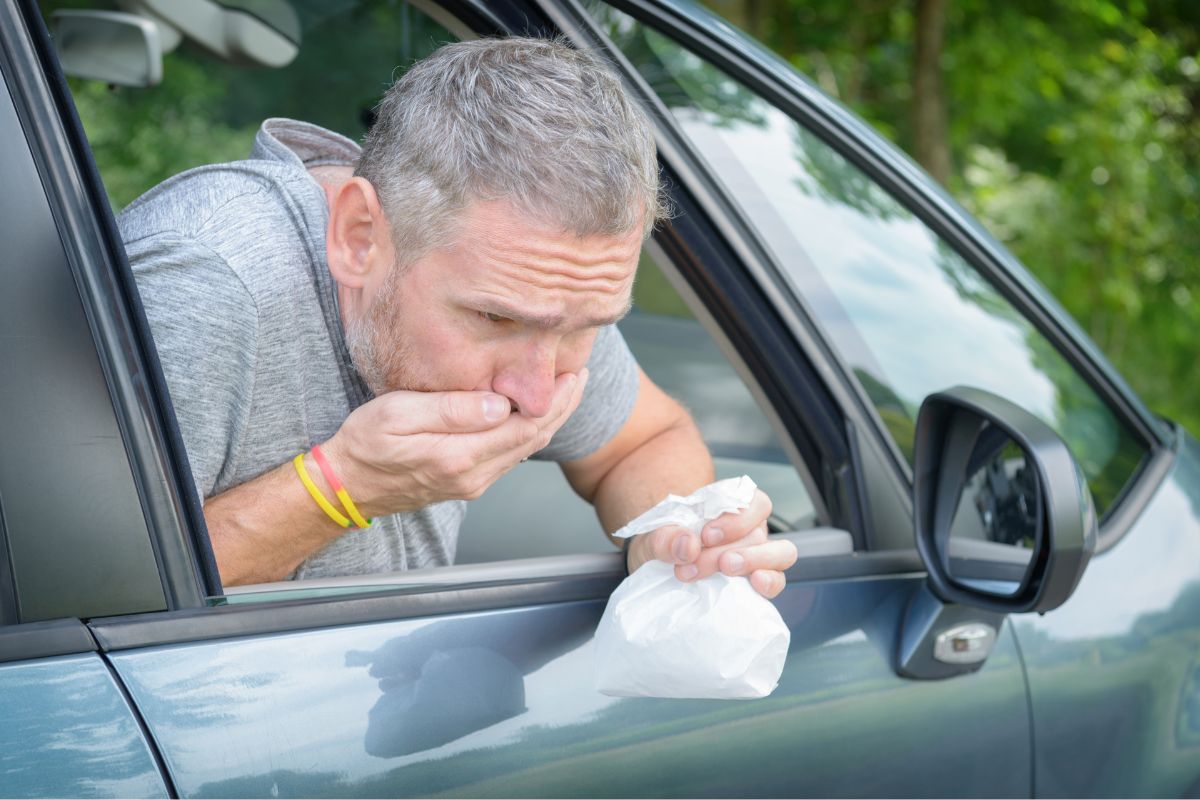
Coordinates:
(997, 522)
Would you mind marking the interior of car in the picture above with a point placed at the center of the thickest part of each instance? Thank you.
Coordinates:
(224, 71)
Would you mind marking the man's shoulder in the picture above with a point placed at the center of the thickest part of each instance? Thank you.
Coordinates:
(221, 203)
(255, 218)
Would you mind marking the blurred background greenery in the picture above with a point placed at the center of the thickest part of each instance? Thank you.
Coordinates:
(1071, 128)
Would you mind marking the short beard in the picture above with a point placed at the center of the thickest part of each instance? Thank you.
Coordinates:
(380, 362)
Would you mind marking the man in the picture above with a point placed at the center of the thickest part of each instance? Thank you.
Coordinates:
(431, 311)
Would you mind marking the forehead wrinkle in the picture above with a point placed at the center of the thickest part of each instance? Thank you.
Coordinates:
(560, 245)
(571, 280)
(611, 262)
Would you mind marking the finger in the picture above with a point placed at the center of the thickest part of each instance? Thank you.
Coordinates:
(709, 559)
(730, 527)
(499, 448)
(568, 396)
(673, 545)
(489, 454)
(501, 455)
(407, 413)
(768, 583)
(777, 554)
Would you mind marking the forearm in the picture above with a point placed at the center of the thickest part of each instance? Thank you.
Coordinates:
(263, 529)
(658, 452)
(675, 460)
(399, 452)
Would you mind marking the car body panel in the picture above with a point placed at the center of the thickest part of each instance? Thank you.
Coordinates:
(69, 732)
(502, 704)
(1114, 673)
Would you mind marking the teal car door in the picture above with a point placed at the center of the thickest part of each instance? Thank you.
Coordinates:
(476, 679)
(72, 539)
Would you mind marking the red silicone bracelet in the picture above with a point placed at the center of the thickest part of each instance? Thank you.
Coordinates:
(326, 470)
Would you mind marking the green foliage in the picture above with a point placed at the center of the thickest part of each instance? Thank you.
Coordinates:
(1075, 130)
(140, 138)
(1085, 165)
(653, 293)
(1074, 127)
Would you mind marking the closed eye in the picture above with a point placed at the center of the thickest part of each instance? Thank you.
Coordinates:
(490, 317)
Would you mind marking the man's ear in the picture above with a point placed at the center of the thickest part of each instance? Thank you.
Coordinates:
(358, 241)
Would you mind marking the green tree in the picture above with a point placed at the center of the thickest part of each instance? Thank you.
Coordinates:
(1075, 129)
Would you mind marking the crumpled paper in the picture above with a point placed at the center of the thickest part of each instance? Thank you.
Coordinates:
(714, 638)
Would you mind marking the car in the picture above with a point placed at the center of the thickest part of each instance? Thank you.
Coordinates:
(998, 588)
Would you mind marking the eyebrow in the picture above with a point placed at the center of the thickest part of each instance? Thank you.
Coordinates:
(545, 321)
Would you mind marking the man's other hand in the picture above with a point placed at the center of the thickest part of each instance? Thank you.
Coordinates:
(405, 450)
(734, 543)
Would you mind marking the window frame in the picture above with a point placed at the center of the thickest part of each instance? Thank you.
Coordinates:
(183, 534)
(174, 513)
(745, 319)
(692, 248)
(903, 180)
(155, 523)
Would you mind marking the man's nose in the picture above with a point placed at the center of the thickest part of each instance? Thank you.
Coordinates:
(528, 380)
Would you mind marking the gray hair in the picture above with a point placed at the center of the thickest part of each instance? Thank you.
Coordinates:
(531, 121)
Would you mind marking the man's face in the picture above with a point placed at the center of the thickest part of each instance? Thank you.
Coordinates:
(507, 309)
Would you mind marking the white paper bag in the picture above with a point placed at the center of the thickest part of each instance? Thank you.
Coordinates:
(712, 638)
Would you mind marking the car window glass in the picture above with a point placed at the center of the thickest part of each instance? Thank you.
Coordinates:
(908, 313)
(680, 355)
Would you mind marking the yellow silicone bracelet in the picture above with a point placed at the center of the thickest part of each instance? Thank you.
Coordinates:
(325, 505)
(352, 509)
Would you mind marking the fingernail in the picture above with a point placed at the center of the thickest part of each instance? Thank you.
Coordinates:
(688, 571)
(734, 563)
(495, 407)
(680, 548)
(583, 374)
(714, 536)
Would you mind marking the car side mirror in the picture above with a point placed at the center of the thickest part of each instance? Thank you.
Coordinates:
(1004, 524)
(1004, 518)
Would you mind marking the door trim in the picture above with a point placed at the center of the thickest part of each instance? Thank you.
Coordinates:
(420, 600)
(56, 637)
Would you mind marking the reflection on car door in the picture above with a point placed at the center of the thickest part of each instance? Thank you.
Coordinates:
(500, 703)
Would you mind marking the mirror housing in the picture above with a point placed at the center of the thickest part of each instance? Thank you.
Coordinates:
(260, 33)
(950, 426)
(110, 46)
